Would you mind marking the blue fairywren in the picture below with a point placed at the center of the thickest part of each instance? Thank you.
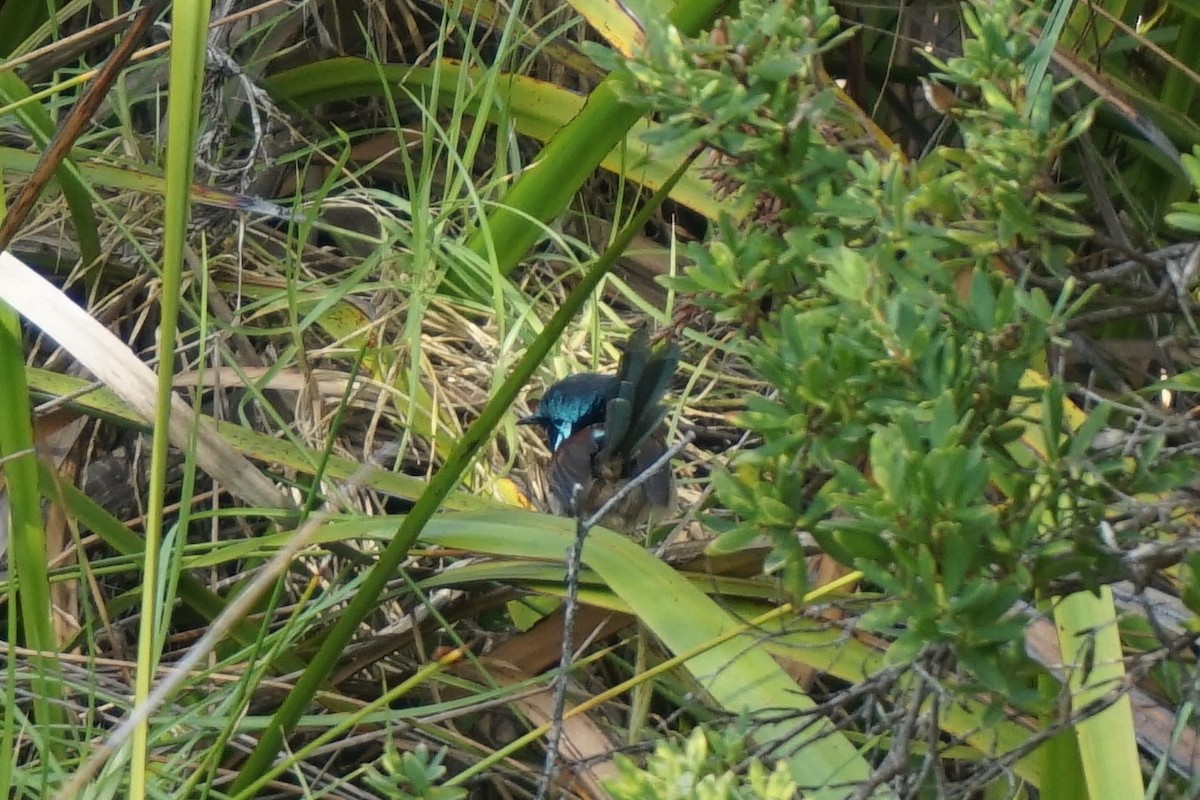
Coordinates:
(605, 430)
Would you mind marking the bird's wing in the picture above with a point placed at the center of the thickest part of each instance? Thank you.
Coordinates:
(571, 465)
(659, 487)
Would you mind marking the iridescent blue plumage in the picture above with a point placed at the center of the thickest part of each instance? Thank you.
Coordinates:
(572, 404)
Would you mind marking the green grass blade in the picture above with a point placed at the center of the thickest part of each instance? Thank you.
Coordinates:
(543, 192)
(40, 127)
(285, 453)
(17, 21)
(189, 23)
(27, 539)
(537, 109)
(194, 594)
(1091, 646)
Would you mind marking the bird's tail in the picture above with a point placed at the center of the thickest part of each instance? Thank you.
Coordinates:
(635, 410)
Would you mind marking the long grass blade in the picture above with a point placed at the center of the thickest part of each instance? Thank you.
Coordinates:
(27, 540)
(189, 25)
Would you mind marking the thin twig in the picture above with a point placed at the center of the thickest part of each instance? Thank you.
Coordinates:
(571, 601)
(641, 478)
(567, 654)
(74, 125)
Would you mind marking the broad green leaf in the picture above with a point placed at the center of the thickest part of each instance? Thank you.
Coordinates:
(729, 664)
(1091, 647)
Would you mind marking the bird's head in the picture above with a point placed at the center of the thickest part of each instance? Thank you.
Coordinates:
(572, 404)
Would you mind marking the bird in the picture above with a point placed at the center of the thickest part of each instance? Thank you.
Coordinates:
(604, 431)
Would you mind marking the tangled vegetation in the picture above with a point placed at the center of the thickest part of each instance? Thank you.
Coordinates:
(266, 336)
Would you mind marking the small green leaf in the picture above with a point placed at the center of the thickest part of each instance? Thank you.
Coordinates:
(735, 494)
(1188, 381)
(1081, 440)
(733, 540)
(904, 650)
(848, 276)
(888, 462)
(1191, 165)
(1184, 220)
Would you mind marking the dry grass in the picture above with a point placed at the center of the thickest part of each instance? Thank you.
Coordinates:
(336, 338)
(325, 327)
